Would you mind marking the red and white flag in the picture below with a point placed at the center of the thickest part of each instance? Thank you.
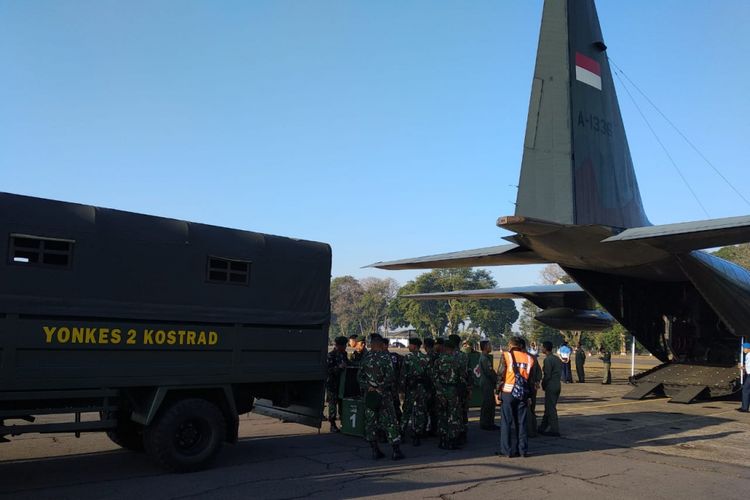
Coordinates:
(588, 71)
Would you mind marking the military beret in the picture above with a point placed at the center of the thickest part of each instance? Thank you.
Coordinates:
(451, 342)
(376, 338)
(341, 340)
(429, 342)
(440, 341)
(415, 341)
(455, 338)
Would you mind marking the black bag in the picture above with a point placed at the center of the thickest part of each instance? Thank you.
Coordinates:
(520, 389)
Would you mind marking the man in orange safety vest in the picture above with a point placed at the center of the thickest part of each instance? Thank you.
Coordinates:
(515, 380)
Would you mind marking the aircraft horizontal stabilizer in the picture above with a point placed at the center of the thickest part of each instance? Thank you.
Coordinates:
(489, 256)
(544, 296)
(687, 236)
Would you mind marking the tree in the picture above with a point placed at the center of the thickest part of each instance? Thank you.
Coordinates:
(346, 294)
(373, 304)
(434, 317)
(551, 274)
(739, 254)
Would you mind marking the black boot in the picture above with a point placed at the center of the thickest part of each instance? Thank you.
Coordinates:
(376, 453)
(334, 427)
(397, 455)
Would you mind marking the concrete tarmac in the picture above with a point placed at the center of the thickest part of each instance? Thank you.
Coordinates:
(611, 448)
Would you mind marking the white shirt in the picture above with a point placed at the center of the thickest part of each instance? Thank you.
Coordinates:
(747, 363)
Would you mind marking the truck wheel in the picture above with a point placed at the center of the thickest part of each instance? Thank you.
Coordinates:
(187, 436)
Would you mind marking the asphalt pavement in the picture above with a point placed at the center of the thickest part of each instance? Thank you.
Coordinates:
(611, 448)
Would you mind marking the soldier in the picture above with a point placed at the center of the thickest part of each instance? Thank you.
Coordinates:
(487, 382)
(336, 363)
(464, 388)
(415, 382)
(360, 351)
(536, 374)
(448, 381)
(551, 386)
(565, 351)
(580, 361)
(397, 360)
(377, 381)
(432, 348)
(353, 341)
(606, 358)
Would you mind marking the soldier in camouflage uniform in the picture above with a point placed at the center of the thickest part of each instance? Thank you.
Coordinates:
(336, 363)
(431, 351)
(467, 379)
(359, 353)
(377, 380)
(397, 361)
(448, 383)
(415, 382)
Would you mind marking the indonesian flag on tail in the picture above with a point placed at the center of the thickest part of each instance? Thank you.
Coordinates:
(588, 71)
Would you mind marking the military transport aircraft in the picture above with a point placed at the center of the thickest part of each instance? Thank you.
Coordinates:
(579, 206)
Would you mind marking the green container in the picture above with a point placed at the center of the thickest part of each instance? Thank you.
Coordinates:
(353, 417)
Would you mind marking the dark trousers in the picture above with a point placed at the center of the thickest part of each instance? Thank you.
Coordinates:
(581, 373)
(549, 420)
(487, 414)
(746, 393)
(513, 415)
(567, 376)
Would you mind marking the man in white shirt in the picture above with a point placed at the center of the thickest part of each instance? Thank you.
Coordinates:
(746, 384)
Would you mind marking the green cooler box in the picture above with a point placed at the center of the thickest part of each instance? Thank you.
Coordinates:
(352, 406)
(353, 417)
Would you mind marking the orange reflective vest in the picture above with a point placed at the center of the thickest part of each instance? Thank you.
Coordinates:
(524, 362)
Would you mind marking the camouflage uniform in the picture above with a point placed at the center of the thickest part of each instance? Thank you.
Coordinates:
(333, 363)
(356, 357)
(397, 361)
(432, 358)
(447, 379)
(415, 383)
(467, 378)
(376, 374)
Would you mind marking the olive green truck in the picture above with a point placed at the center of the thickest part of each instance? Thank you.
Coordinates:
(158, 332)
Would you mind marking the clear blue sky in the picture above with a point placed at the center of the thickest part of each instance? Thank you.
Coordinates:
(389, 129)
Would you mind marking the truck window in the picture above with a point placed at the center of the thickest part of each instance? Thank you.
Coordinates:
(228, 271)
(40, 251)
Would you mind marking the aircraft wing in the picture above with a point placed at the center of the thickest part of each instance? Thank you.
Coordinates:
(488, 256)
(687, 236)
(545, 296)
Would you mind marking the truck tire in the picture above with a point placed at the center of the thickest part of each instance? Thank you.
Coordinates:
(186, 436)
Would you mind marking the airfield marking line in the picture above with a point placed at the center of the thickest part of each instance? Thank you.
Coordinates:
(608, 405)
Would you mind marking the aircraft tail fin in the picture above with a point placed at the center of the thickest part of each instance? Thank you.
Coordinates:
(576, 166)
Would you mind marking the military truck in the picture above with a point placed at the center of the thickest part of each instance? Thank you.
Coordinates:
(159, 332)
